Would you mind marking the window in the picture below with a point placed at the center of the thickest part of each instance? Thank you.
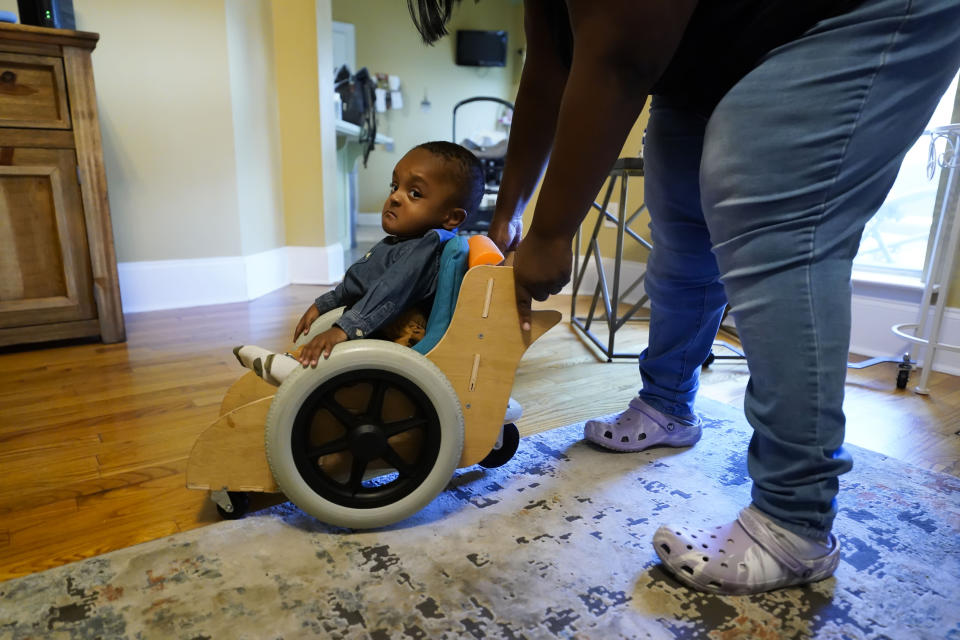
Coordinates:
(895, 240)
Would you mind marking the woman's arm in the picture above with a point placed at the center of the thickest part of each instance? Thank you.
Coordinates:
(621, 47)
(535, 119)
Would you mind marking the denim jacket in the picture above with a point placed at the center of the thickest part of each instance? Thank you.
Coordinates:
(394, 275)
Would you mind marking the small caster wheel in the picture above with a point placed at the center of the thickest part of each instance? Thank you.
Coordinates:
(902, 377)
(903, 372)
(239, 502)
(501, 455)
(709, 360)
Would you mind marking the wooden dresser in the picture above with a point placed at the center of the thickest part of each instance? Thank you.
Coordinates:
(58, 269)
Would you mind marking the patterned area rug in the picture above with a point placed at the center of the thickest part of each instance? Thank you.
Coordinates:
(556, 544)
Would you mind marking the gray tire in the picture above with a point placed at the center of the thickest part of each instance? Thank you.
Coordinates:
(349, 503)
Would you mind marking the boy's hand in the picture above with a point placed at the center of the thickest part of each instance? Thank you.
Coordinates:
(322, 344)
(311, 314)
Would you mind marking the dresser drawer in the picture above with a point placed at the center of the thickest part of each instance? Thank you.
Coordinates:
(32, 92)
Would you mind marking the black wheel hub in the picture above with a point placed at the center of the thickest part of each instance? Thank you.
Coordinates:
(366, 437)
(367, 442)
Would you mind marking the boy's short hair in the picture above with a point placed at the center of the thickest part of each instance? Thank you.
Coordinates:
(469, 171)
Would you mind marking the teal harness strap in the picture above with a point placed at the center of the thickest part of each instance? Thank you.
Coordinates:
(453, 266)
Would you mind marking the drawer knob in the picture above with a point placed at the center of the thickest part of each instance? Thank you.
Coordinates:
(8, 77)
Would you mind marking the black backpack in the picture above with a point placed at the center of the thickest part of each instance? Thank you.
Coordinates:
(358, 98)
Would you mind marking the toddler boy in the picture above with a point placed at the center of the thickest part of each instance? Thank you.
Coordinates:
(433, 189)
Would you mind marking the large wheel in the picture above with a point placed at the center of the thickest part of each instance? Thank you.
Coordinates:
(367, 438)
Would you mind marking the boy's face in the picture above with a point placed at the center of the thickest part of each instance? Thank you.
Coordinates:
(423, 196)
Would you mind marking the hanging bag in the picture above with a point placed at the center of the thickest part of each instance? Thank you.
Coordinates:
(357, 94)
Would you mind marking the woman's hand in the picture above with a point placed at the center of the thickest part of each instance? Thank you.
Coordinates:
(506, 233)
(311, 314)
(321, 344)
(541, 269)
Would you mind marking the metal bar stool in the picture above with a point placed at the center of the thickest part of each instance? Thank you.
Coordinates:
(622, 170)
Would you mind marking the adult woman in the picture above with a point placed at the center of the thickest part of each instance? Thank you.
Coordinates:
(776, 129)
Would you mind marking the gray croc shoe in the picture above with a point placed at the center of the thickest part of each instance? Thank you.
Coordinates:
(641, 427)
(749, 555)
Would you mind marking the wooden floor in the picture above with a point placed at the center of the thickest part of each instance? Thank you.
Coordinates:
(94, 438)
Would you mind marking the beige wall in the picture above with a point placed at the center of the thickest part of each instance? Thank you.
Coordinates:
(175, 82)
(164, 93)
(387, 42)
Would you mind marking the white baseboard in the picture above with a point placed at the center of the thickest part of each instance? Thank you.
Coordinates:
(873, 315)
(871, 334)
(175, 284)
(316, 265)
(171, 284)
(266, 271)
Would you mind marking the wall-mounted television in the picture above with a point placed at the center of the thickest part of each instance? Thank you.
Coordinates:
(481, 48)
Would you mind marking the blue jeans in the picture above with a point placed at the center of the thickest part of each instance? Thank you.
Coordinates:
(762, 203)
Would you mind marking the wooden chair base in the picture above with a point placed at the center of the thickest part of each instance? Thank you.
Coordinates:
(479, 355)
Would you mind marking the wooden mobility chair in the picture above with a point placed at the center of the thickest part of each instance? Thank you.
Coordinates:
(374, 433)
